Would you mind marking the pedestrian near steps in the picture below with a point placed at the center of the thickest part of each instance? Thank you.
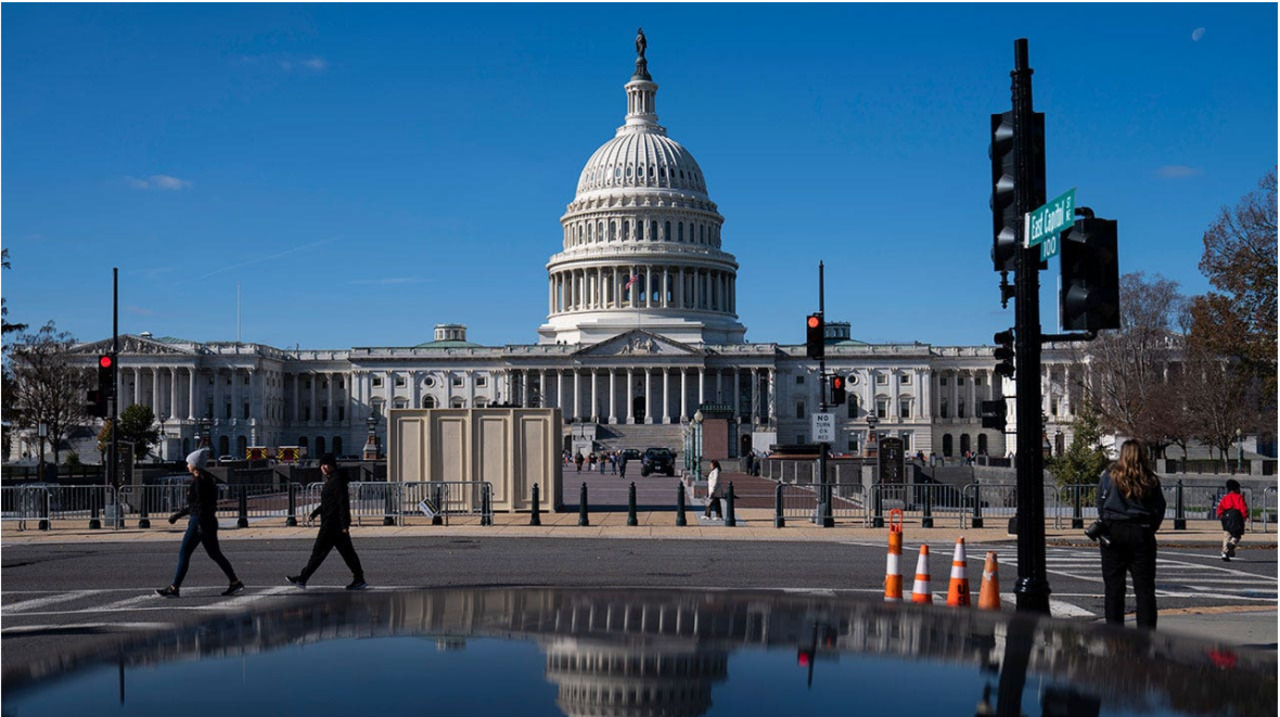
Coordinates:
(713, 500)
(1232, 511)
(202, 527)
(334, 512)
(1131, 508)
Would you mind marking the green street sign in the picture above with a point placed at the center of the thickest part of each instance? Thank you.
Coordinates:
(1057, 214)
(1050, 247)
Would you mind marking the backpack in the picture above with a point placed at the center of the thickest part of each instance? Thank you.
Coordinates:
(1233, 522)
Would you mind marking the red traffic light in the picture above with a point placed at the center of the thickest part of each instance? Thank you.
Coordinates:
(814, 321)
(837, 382)
(104, 361)
(804, 657)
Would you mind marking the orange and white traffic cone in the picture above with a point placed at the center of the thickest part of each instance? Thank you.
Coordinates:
(920, 591)
(958, 590)
(893, 569)
(989, 593)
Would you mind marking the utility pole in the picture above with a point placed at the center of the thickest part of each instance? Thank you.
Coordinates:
(113, 471)
(828, 521)
(1031, 590)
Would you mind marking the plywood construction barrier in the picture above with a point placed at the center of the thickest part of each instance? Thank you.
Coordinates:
(510, 448)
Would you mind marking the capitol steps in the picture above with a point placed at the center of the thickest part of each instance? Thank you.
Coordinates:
(640, 436)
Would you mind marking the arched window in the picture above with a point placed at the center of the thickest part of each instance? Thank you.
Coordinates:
(320, 446)
(457, 402)
(613, 228)
(428, 402)
(702, 234)
(666, 235)
(224, 446)
(653, 230)
(680, 228)
(964, 443)
(946, 445)
(982, 444)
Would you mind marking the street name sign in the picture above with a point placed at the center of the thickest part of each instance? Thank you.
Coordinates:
(1047, 220)
(824, 428)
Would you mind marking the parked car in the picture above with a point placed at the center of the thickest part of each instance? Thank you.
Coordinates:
(658, 460)
(632, 454)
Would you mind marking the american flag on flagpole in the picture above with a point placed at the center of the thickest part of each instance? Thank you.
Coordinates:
(631, 282)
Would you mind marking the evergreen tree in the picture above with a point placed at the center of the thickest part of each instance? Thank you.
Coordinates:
(1085, 459)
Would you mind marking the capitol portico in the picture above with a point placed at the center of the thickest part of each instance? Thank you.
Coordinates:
(642, 330)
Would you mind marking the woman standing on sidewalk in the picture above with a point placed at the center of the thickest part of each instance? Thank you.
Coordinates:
(202, 506)
(1131, 506)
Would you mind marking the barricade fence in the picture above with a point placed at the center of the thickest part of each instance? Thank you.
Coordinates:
(1269, 506)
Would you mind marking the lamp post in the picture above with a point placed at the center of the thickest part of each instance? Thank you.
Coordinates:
(163, 454)
(697, 445)
(872, 421)
(42, 431)
(1239, 451)
(204, 438)
(371, 443)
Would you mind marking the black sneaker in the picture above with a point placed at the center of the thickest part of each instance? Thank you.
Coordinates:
(1225, 557)
(357, 585)
(296, 581)
(233, 588)
(1231, 551)
(169, 592)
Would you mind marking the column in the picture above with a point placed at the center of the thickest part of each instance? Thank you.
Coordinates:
(191, 394)
(297, 379)
(648, 399)
(595, 402)
(925, 381)
(613, 397)
(235, 393)
(773, 395)
(173, 392)
(155, 391)
(702, 386)
(737, 388)
(719, 387)
(1067, 407)
(315, 406)
(333, 413)
(680, 302)
(955, 394)
(666, 287)
(577, 395)
(684, 395)
(896, 380)
(627, 404)
(543, 392)
(666, 388)
(648, 296)
(137, 382)
(415, 393)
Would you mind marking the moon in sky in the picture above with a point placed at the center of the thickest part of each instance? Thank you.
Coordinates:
(1197, 34)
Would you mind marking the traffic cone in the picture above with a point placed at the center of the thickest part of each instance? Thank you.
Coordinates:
(893, 570)
(989, 593)
(958, 590)
(920, 591)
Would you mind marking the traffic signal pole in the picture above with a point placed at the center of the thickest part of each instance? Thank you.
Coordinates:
(828, 519)
(1031, 590)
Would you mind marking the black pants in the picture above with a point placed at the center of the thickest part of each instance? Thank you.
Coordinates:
(1132, 550)
(328, 539)
(201, 532)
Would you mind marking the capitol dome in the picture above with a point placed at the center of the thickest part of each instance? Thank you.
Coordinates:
(641, 244)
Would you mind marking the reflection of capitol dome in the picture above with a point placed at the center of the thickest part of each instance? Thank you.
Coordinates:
(605, 680)
(641, 244)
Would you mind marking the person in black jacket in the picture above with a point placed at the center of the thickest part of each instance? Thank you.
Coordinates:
(335, 527)
(202, 506)
(1131, 507)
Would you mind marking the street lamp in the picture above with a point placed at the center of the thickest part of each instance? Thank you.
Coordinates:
(697, 445)
(872, 421)
(371, 443)
(42, 430)
(205, 438)
(1239, 452)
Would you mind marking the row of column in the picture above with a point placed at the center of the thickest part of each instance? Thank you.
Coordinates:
(600, 288)
(593, 394)
(578, 233)
(968, 395)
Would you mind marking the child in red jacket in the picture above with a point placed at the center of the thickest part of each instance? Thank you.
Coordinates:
(1232, 511)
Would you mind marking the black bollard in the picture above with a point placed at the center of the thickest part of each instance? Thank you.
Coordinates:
(877, 507)
(535, 517)
(292, 519)
(1077, 514)
(1179, 509)
(583, 518)
(977, 505)
(778, 520)
(680, 518)
(94, 522)
(729, 519)
(926, 519)
(144, 516)
(631, 505)
(436, 496)
(242, 521)
(486, 506)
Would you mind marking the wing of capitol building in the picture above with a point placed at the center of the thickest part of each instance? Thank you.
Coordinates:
(642, 331)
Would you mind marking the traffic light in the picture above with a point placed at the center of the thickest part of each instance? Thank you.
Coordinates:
(814, 337)
(1004, 353)
(995, 413)
(95, 404)
(804, 657)
(1004, 212)
(106, 382)
(1090, 294)
(837, 390)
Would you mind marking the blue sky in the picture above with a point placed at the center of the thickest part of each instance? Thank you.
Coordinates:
(365, 172)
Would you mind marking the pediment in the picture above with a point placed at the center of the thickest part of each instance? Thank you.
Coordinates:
(638, 343)
(131, 345)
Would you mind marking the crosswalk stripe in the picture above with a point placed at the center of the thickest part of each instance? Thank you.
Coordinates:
(50, 600)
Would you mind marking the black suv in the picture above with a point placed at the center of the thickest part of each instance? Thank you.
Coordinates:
(658, 460)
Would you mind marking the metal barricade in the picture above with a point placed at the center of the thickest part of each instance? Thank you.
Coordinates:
(378, 501)
(440, 501)
(926, 502)
(848, 501)
(76, 502)
(1268, 505)
(1000, 501)
(1078, 503)
(1200, 502)
(22, 503)
(262, 502)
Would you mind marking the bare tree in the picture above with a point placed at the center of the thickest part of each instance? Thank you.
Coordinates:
(1129, 368)
(1222, 399)
(48, 385)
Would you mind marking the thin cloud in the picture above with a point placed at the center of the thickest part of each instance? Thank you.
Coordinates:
(270, 257)
(139, 310)
(310, 64)
(162, 182)
(1178, 171)
(1196, 34)
(387, 281)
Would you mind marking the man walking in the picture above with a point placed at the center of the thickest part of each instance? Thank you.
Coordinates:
(335, 527)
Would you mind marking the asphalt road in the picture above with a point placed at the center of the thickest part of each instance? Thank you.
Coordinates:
(67, 596)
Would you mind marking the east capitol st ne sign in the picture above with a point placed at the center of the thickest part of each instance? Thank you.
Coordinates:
(1049, 219)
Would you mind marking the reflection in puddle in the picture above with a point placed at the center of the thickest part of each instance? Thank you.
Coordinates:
(582, 652)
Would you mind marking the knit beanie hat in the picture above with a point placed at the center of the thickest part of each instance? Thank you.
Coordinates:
(329, 460)
(198, 458)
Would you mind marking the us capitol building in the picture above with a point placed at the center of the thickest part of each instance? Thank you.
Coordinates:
(642, 330)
